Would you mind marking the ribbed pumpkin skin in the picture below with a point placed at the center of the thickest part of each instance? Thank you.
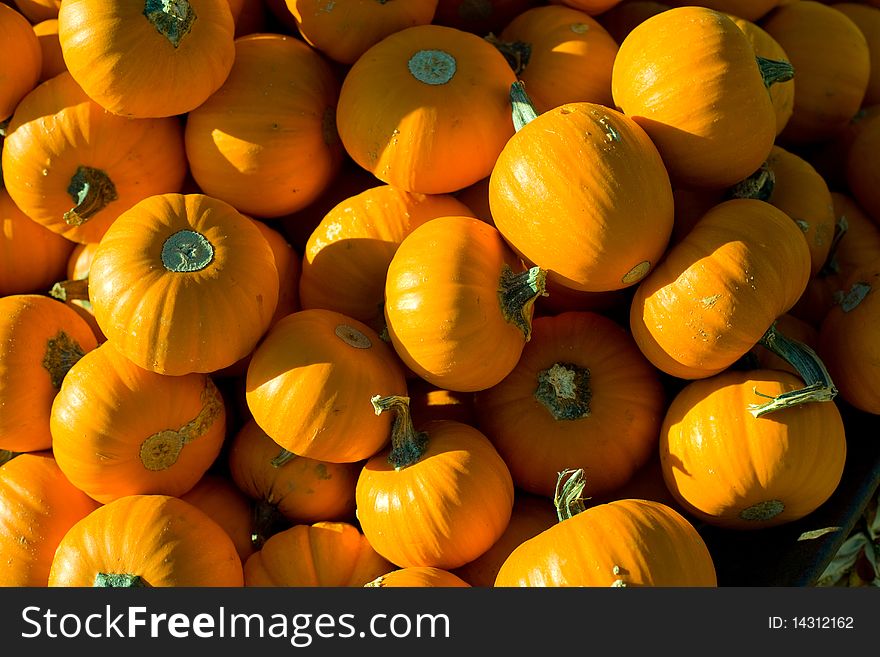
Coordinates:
(265, 142)
(422, 577)
(570, 56)
(310, 381)
(583, 193)
(444, 510)
(35, 329)
(321, 554)
(345, 29)
(57, 129)
(442, 309)
(162, 539)
(626, 542)
(867, 19)
(385, 113)
(174, 322)
(118, 429)
(581, 396)
(129, 67)
(701, 99)
(37, 507)
(18, 44)
(733, 470)
(347, 255)
(718, 290)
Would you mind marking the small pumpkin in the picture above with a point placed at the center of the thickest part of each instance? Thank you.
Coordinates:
(18, 44)
(418, 576)
(183, 283)
(867, 19)
(440, 496)
(53, 62)
(321, 554)
(480, 16)
(863, 170)
(223, 501)
(731, 469)
(626, 542)
(42, 339)
(620, 20)
(146, 541)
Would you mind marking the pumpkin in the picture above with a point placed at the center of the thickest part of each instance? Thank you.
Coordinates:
(285, 488)
(37, 507)
(591, 7)
(620, 20)
(429, 402)
(150, 59)
(582, 192)
(848, 340)
(794, 328)
(346, 257)
(867, 19)
(750, 10)
(731, 469)
(703, 100)
(42, 339)
(265, 142)
(321, 554)
(793, 185)
(829, 156)
(74, 167)
(345, 29)
(627, 542)
(426, 80)
(118, 429)
(458, 303)
(288, 264)
(560, 54)
(32, 257)
(18, 44)
(418, 576)
(74, 290)
(440, 496)
(146, 541)
(37, 10)
(581, 394)
(183, 283)
(829, 89)
(719, 289)
(228, 506)
(480, 16)
(50, 46)
(863, 170)
(309, 381)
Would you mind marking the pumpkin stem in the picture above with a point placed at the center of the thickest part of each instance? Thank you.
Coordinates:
(7, 455)
(4, 126)
(808, 365)
(831, 265)
(284, 457)
(850, 299)
(517, 294)
(173, 19)
(62, 352)
(71, 290)
(432, 67)
(407, 444)
(774, 70)
(517, 53)
(119, 581)
(91, 189)
(758, 186)
(268, 521)
(568, 497)
(564, 389)
(522, 106)
(187, 251)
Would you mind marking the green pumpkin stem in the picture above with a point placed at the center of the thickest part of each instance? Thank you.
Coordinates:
(407, 444)
(774, 71)
(564, 390)
(517, 294)
(850, 299)
(267, 521)
(119, 581)
(284, 457)
(832, 266)
(92, 190)
(71, 290)
(758, 186)
(808, 365)
(569, 495)
(7, 455)
(517, 53)
(522, 107)
(173, 19)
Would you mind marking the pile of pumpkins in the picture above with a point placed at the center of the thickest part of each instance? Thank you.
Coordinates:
(428, 293)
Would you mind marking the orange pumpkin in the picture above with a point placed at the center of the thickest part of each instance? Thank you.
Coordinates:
(42, 340)
(309, 382)
(867, 19)
(582, 192)
(620, 20)
(183, 283)
(228, 506)
(150, 59)
(591, 7)
(321, 554)
(18, 44)
(622, 543)
(794, 328)
(53, 62)
(863, 169)
(426, 80)
(265, 142)
(703, 100)
(354, 243)
(146, 541)
(439, 496)
(118, 429)
(750, 10)
(458, 304)
(345, 29)
(418, 576)
(37, 507)
(734, 470)
(582, 394)
(74, 167)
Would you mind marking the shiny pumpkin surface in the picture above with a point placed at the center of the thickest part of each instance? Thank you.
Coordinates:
(418, 576)
(19, 44)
